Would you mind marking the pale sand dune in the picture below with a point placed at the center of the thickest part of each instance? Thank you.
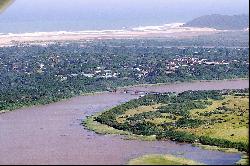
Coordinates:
(168, 30)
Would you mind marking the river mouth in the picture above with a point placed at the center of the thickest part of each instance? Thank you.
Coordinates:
(52, 134)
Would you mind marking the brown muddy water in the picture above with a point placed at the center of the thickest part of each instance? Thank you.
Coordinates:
(52, 134)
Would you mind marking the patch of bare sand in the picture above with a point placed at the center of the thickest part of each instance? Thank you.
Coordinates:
(147, 32)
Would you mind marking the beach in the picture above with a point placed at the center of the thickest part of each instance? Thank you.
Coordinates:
(174, 30)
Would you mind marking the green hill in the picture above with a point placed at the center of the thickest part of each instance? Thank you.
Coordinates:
(221, 22)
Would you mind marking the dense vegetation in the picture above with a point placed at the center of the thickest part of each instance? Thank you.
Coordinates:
(208, 117)
(217, 21)
(39, 74)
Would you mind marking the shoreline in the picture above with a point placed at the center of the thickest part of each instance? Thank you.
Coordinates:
(56, 132)
(174, 30)
(121, 88)
(178, 82)
(160, 159)
(91, 124)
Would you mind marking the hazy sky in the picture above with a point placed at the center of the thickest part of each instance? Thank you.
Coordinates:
(118, 12)
(178, 9)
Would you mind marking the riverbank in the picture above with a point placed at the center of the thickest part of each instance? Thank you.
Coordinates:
(58, 138)
(178, 82)
(90, 124)
(144, 87)
(155, 159)
(225, 143)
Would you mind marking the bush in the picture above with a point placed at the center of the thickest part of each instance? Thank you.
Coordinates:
(224, 143)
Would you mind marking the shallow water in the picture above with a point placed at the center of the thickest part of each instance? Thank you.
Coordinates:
(52, 134)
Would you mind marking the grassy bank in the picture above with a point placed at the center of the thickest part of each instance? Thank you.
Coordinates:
(210, 147)
(244, 160)
(219, 122)
(156, 159)
(90, 124)
(217, 118)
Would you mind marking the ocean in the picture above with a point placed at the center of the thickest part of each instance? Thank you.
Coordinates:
(25, 16)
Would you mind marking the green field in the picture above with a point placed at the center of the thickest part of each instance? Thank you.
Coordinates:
(99, 128)
(213, 120)
(231, 124)
(216, 118)
(132, 112)
(156, 159)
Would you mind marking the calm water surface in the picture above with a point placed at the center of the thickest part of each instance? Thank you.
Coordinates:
(52, 134)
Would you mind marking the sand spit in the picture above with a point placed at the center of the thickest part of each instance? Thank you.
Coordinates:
(168, 30)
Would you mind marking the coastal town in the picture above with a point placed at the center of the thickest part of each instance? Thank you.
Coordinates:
(140, 66)
(68, 69)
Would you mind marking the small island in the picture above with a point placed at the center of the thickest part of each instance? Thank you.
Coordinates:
(214, 119)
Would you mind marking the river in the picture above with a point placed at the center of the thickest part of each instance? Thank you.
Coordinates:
(52, 134)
